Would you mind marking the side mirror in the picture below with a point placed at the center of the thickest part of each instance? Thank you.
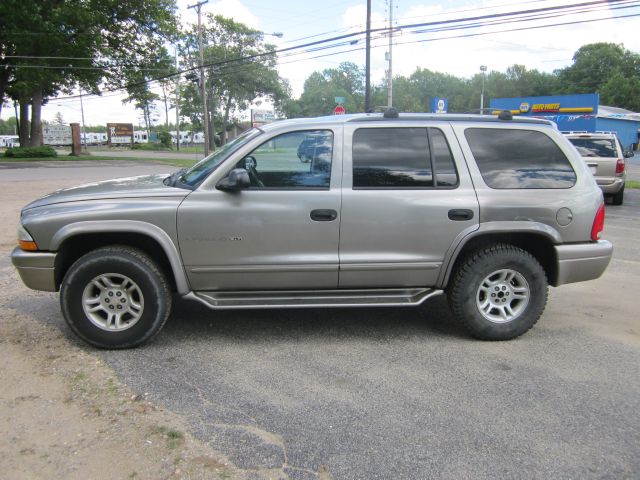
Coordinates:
(628, 154)
(238, 179)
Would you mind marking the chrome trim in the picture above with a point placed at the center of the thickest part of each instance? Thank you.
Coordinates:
(363, 267)
(266, 268)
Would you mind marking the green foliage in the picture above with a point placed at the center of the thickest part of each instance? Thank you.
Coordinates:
(606, 68)
(165, 138)
(8, 126)
(30, 152)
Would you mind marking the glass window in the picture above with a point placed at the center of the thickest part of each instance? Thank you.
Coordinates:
(446, 175)
(510, 158)
(595, 147)
(391, 158)
(299, 159)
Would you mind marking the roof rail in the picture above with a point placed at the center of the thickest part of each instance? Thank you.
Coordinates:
(572, 132)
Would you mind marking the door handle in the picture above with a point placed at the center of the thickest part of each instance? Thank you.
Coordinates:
(460, 214)
(323, 215)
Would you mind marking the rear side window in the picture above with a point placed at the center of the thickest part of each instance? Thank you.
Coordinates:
(402, 158)
(595, 147)
(523, 159)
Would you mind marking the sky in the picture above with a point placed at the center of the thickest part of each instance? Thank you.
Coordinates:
(545, 49)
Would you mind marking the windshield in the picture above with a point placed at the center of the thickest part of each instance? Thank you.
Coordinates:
(594, 147)
(196, 174)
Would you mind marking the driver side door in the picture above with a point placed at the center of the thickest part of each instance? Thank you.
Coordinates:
(280, 233)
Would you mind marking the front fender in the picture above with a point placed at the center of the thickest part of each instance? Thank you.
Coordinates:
(128, 226)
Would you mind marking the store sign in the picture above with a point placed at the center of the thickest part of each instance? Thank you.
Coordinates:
(260, 117)
(439, 105)
(524, 107)
(118, 133)
(56, 135)
(545, 107)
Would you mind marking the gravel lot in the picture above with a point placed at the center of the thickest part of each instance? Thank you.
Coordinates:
(388, 393)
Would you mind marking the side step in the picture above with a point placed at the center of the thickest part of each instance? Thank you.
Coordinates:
(314, 298)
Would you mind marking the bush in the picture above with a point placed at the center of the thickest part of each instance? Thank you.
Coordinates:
(165, 138)
(30, 152)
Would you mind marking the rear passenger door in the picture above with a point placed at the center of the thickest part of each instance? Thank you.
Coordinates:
(407, 197)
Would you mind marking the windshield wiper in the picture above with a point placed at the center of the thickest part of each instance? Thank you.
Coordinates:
(173, 178)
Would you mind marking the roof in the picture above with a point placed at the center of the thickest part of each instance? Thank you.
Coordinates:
(617, 113)
(377, 117)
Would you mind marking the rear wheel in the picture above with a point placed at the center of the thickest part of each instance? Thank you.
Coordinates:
(618, 198)
(115, 297)
(498, 293)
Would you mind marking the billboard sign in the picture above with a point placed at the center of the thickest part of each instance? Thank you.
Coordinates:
(56, 135)
(119, 133)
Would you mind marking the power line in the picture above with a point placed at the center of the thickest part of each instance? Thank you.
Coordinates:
(318, 45)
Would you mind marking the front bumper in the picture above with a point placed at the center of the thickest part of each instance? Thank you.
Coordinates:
(36, 269)
(582, 261)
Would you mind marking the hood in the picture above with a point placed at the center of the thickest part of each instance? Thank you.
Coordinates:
(129, 187)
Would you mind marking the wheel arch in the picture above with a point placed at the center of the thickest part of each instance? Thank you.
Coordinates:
(75, 239)
(538, 241)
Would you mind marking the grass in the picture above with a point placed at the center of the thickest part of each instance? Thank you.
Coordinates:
(632, 184)
(175, 438)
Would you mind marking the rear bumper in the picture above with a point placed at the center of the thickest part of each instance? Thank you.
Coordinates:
(36, 269)
(613, 187)
(583, 261)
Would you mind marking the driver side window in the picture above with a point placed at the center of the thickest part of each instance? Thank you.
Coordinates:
(300, 159)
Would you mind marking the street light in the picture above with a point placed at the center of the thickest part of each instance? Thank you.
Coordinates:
(483, 69)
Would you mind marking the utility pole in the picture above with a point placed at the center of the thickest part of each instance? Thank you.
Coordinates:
(483, 69)
(390, 58)
(84, 130)
(203, 87)
(177, 99)
(367, 86)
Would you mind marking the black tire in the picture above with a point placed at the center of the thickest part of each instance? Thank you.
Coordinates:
(514, 273)
(99, 273)
(618, 198)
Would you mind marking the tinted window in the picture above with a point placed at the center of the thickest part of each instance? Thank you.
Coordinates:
(391, 157)
(592, 147)
(509, 158)
(291, 160)
(446, 175)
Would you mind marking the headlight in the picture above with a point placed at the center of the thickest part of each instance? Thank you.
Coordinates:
(25, 241)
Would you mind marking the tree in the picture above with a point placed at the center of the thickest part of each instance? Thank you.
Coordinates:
(241, 68)
(58, 119)
(89, 43)
(321, 88)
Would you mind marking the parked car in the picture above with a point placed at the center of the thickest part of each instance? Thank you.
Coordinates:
(605, 156)
(490, 210)
(312, 147)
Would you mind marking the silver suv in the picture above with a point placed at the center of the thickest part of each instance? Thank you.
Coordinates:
(392, 210)
(604, 155)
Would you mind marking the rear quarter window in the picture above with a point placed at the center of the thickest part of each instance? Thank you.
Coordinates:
(519, 159)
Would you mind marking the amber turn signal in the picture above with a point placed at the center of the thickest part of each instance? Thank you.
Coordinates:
(28, 245)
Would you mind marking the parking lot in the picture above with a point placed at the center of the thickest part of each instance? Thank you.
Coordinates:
(385, 393)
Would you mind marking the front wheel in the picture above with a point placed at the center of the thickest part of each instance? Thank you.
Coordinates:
(499, 292)
(115, 297)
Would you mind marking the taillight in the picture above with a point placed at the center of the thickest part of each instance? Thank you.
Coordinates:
(598, 224)
(620, 166)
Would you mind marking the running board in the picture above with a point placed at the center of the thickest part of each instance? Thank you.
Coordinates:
(314, 298)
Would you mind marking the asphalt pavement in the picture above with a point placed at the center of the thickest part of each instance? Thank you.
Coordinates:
(402, 393)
